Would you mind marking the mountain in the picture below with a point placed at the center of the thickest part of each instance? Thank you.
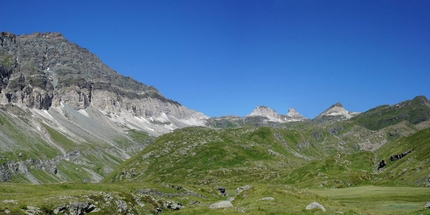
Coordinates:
(44, 70)
(271, 115)
(415, 111)
(334, 113)
(66, 116)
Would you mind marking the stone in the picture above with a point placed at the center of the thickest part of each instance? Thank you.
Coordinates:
(60, 209)
(315, 205)
(172, 205)
(221, 191)
(221, 204)
(80, 208)
(427, 205)
(267, 199)
(241, 189)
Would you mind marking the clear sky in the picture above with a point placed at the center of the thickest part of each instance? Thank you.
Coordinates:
(226, 57)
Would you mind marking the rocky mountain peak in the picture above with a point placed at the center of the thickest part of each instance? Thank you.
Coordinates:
(335, 112)
(263, 111)
(292, 112)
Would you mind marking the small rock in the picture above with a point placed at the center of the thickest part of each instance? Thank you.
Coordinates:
(221, 191)
(11, 201)
(172, 205)
(314, 205)
(427, 205)
(193, 202)
(230, 199)
(241, 189)
(221, 204)
(267, 199)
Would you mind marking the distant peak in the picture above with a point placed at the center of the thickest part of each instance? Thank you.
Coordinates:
(292, 112)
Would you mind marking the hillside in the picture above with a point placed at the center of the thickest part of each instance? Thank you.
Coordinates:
(67, 117)
(414, 111)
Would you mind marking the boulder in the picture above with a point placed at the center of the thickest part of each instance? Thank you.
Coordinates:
(315, 205)
(221, 204)
(427, 205)
(80, 208)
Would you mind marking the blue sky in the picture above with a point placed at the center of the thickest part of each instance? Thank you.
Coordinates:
(226, 57)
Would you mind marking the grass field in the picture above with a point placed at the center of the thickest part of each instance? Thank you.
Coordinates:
(383, 200)
(287, 199)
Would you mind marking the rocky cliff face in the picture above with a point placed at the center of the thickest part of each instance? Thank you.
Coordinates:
(44, 70)
(291, 116)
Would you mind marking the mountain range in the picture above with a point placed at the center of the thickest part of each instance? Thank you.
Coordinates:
(67, 117)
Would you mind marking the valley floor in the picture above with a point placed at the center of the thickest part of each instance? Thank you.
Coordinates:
(385, 200)
(145, 198)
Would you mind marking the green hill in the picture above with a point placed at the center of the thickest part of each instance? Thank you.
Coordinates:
(414, 111)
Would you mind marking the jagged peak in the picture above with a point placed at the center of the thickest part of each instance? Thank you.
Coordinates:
(262, 111)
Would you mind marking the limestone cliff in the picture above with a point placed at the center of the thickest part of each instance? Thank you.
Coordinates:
(44, 70)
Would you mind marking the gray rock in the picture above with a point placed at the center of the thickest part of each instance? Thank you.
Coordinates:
(221, 204)
(267, 199)
(221, 191)
(80, 208)
(172, 205)
(427, 205)
(60, 209)
(230, 199)
(241, 189)
(315, 205)
(32, 210)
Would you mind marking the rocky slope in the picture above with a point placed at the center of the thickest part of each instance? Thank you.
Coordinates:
(44, 70)
(66, 116)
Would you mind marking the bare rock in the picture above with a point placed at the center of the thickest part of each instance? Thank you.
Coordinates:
(267, 199)
(221, 204)
(315, 205)
(80, 208)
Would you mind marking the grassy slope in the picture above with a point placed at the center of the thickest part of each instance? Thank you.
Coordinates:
(414, 111)
(413, 169)
(31, 139)
(203, 156)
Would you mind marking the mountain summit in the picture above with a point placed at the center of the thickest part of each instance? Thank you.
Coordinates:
(264, 111)
(335, 112)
